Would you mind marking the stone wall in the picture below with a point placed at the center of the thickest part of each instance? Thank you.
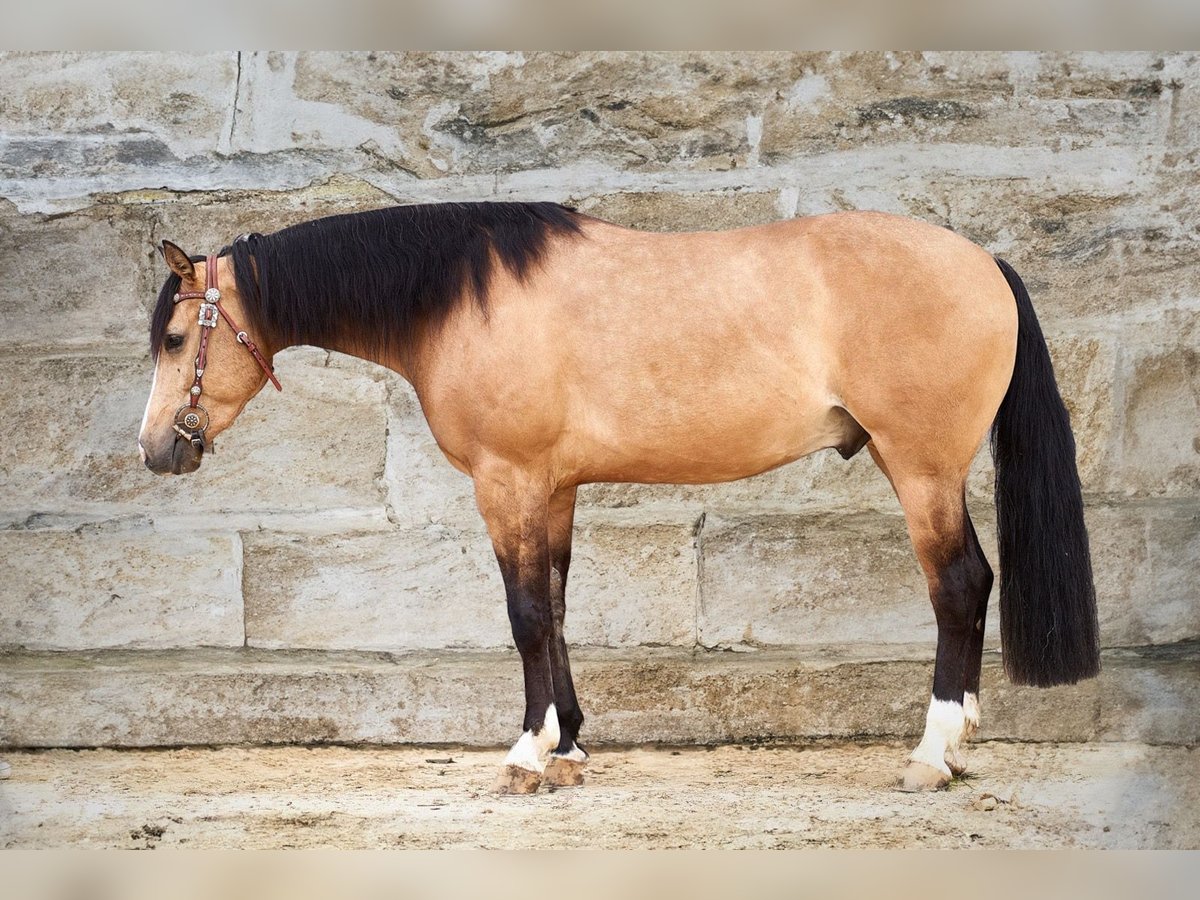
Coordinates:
(329, 522)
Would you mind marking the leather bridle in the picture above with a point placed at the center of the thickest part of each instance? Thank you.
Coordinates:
(191, 419)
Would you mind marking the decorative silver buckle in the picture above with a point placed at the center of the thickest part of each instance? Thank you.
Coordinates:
(208, 315)
(191, 420)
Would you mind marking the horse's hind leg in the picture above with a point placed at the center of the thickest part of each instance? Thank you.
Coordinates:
(567, 761)
(975, 653)
(959, 581)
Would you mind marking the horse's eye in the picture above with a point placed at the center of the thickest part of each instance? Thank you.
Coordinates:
(173, 342)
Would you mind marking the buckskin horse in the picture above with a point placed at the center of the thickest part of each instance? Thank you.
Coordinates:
(550, 349)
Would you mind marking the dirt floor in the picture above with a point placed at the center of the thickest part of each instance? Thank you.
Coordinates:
(1021, 795)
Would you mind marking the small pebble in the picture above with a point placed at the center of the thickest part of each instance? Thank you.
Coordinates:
(5, 769)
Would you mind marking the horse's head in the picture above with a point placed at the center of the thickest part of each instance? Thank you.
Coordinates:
(205, 367)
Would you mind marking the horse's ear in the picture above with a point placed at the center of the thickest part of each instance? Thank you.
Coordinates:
(177, 260)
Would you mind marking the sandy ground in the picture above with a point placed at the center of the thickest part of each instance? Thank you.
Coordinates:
(1088, 795)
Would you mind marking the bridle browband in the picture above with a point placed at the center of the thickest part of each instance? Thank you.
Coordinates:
(191, 419)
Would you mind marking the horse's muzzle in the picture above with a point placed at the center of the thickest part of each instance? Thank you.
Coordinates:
(181, 456)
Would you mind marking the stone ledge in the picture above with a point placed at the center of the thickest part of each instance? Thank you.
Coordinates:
(149, 698)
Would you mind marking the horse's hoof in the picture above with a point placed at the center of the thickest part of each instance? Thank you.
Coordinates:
(517, 780)
(956, 761)
(5, 769)
(564, 772)
(919, 777)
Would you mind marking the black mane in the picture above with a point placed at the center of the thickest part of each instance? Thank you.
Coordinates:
(374, 279)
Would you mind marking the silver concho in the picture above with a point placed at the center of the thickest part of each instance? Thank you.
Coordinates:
(193, 419)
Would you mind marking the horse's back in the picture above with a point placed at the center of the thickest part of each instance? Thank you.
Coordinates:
(705, 356)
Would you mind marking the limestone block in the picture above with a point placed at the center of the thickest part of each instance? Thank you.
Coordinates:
(143, 698)
(712, 211)
(1085, 369)
(848, 100)
(118, 586)
(423, 588)
(397, 590)
(631, 586)
(1160, 441)
(811, 580)
(177, 102)
(1146, 559)
(500, 112)
(76, 281)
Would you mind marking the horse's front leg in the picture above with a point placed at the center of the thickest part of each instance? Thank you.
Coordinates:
(515, 508)
(568, 760)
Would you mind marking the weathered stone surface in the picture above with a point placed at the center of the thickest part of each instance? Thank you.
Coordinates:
(1146, 559)
(430, 587)
(844, 100)
(471, 698)
(686, 212)
(180, 99)
(119, 586)
(202, 223)
(399, 590)
(1086, 370)
(1090, 254)
(839, 578)
(820, 482)
(487, 112)
(82, 455)
(422, 486)
(811, 581)
(632, 585)
(1160, 443)
(75, 281)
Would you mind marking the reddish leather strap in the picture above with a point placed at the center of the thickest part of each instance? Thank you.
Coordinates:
(211, 284)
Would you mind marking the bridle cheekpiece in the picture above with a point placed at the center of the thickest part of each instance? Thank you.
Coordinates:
(191, 419)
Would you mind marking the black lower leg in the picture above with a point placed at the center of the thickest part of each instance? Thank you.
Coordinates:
(982, 589)
(570, 716)
(524, 566)
(959, 593)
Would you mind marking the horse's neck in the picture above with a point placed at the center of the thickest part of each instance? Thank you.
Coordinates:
(398, 362)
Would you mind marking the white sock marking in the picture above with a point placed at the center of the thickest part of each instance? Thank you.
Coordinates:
(575, 754)
(944, 725)
(971, 709)
(531, 751)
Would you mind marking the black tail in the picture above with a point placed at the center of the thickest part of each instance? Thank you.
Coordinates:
(1048, 629)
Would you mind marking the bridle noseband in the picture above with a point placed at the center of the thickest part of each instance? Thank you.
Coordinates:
(191, 419)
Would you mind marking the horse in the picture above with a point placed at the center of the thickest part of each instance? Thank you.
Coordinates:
(550, 349)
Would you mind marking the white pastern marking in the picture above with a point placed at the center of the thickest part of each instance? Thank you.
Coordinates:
(971, 709)
(575, 754)
(532, 750)
(943, 732)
